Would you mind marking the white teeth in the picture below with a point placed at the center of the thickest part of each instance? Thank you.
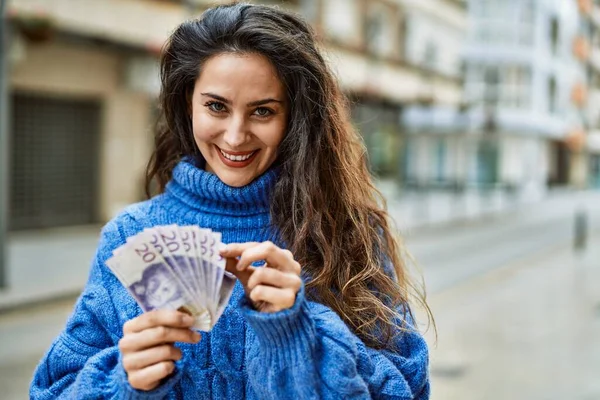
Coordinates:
(236, 158)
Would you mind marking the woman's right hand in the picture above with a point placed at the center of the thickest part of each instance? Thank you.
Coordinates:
(147, 347)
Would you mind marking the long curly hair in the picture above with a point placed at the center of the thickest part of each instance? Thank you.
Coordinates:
(324, 203)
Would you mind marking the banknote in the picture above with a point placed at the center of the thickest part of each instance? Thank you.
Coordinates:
(176, 267)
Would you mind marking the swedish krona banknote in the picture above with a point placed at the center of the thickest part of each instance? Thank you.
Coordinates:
(176, 267)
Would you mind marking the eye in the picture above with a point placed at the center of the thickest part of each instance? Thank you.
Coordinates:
(263, 112)
(216, 106)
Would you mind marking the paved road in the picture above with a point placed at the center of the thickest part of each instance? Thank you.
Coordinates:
(25, 334)
(529, 329)
(451, 254)
(517, 312)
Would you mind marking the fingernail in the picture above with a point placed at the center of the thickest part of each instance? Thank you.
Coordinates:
(188, 320)
(196, 336)
(224, 249)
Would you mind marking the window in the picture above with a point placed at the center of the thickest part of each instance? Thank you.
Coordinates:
(554, 35)
(552, 95)
(526, 22)
(492, 85)
(430, 55)
(379, 126)
(527, 12)
(487, 162)
(526, 33)
(374, 31)
(54, 163)
(440, 160)
(516, 87)
(341, 19)
(487, 8)
(508, 86)
(586, 29)
(475, 83)
(379, 30)
(594, 80)
(402, 24)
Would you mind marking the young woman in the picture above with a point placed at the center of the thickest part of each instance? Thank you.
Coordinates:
(257, 145)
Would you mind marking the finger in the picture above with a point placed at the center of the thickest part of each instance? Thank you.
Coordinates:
(275, 278)
(149, 377)
(154, 355)
(273, 255)
(155, 336)
(243, 276)
(278, 299)
(154, 318)
(233, 250)
(293, 266)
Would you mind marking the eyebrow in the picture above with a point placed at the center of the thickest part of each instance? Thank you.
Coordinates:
(251, 104)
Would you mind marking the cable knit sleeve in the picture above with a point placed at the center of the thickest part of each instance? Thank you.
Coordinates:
(84, 361)
(307, 352)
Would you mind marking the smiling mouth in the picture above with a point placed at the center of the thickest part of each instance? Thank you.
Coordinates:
(237, 159)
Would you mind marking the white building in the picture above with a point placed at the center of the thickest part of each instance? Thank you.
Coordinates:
(593, 116)
(413, 56)
(432, 150)
(524, 99)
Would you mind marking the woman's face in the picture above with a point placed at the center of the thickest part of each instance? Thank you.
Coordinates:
(239, 116)
(161, 290)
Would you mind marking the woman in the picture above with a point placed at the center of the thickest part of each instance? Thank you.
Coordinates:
(258, 146)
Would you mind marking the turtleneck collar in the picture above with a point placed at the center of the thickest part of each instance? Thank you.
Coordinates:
(204, 191)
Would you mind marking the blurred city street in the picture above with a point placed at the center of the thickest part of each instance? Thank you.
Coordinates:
(480, 120)
(508, 292)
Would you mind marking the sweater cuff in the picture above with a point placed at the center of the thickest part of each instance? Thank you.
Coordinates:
(127, 392)
(286, 337)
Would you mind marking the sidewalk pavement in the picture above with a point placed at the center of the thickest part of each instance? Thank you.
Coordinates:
(415, 210)
(55, 262)
(528, 330)
(47, 264)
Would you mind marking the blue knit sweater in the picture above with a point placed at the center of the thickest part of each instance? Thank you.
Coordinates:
(305, 352)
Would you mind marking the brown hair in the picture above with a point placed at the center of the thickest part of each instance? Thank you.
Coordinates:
(325, 204)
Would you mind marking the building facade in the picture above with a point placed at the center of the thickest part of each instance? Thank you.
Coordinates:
(524, 120)
(84, 83)
(432, 153)
(389, 55)
(593, 112)
(525, 83)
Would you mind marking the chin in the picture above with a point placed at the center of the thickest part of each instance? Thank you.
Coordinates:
(235, 180)
(237, 183)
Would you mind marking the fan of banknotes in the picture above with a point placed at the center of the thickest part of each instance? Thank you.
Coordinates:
(176, 267)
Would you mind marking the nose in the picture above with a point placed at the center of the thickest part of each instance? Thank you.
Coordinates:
(235, 135)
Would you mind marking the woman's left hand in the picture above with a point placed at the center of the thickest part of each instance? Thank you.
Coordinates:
(271, 288)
